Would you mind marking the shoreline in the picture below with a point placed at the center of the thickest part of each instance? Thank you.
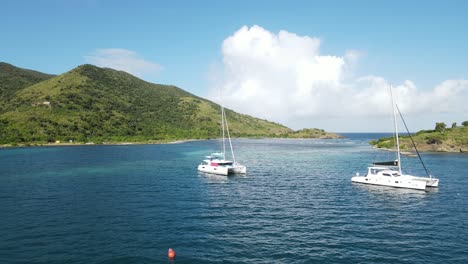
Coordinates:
(181, 141)
(178, 141)
(97, 144)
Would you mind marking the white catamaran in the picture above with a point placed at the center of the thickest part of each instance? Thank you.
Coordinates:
(390, 174)
(216, 162)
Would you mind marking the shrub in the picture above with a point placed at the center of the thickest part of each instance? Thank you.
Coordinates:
(434, 139)
(440, 127)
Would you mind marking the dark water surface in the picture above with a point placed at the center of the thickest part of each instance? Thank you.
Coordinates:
(129, 204)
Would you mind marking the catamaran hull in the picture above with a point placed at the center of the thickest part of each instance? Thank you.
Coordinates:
(239, 169)
(430, 182)
(215, 170)
(222, 170)
(391, 182)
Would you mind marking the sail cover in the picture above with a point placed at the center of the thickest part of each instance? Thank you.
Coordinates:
(386, 163)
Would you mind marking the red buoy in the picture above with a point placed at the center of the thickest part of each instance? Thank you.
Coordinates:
(171, 253)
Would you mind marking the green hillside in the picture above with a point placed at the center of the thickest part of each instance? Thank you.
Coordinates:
(91, 104)
(13, 79)
(445, 140)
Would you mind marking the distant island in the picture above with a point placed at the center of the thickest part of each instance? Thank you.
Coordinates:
(100, 105)
(440, 139)
(311, 133)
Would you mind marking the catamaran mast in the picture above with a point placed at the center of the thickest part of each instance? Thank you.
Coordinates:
(396, 131)
(412, 141)
(222, 129)
(229, 137)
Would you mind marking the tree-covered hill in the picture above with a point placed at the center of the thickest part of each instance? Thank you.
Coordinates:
(92, 104)
(441, 139)
(13, 79)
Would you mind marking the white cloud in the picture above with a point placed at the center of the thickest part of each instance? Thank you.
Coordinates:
(123, 60)
(284, 78)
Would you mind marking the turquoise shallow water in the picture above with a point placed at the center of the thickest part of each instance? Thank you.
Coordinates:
(129, 204)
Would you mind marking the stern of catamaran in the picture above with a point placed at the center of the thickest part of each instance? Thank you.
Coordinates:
(240, 168)
(433, 182)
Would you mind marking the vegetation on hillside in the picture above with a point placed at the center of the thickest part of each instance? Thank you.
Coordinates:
(92, 104)
(443, 139)
(13, 79)
(311, 133)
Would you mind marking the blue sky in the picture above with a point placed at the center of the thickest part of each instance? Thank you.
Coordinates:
(185, 43)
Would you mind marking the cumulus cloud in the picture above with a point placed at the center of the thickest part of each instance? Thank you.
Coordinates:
(284, 78)
(123, 60)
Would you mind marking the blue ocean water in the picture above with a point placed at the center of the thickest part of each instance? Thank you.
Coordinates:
(129, 204)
